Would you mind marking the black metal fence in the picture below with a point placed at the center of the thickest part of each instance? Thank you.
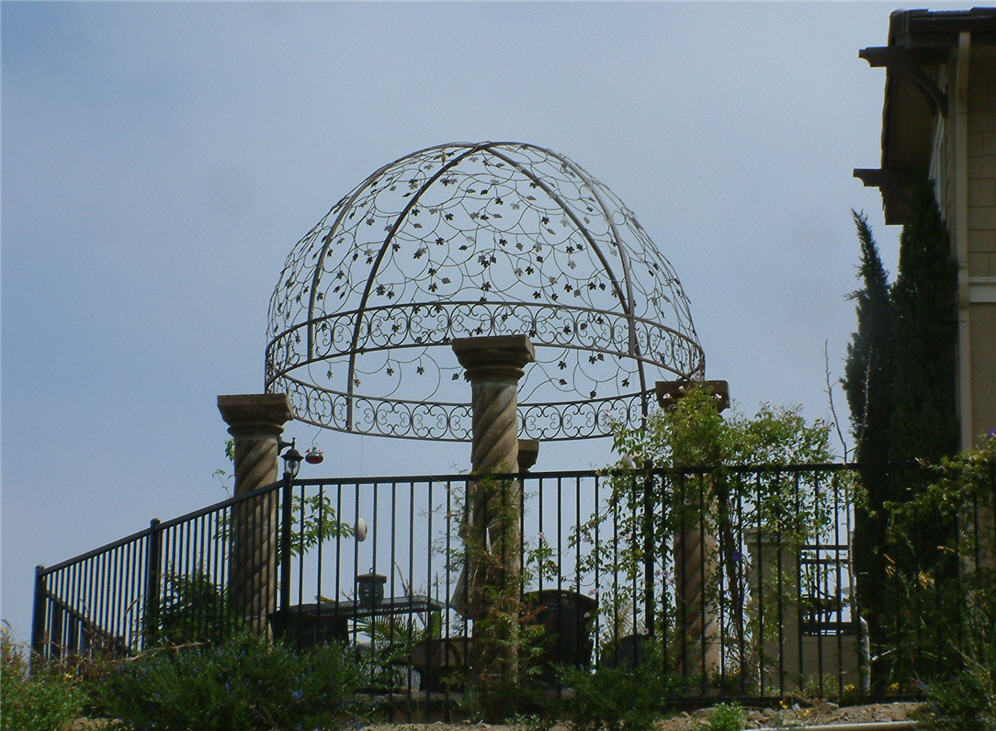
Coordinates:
(743, 575)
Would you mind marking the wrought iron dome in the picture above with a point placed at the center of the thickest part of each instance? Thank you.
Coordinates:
(463, 240)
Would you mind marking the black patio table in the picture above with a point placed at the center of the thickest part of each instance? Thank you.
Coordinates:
(306, 625)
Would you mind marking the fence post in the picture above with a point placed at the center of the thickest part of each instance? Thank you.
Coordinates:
(153, 580)
(286, 517)
(39, 613)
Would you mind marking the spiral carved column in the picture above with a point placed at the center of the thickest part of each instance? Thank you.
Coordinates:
(488, 589)
(255, 422)
(695, 556)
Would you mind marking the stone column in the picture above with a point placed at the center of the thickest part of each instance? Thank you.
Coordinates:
(787, 656)
(494, 366)
(488, 589)
(255, 421)
(695, 559)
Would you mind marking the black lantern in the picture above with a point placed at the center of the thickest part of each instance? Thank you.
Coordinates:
(292, 460)
(370, 589)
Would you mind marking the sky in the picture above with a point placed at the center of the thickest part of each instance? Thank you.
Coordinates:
(160, 160)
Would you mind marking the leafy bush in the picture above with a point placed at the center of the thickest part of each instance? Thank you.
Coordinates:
(243, 683)
(940, 588)
(967, 698)
(954, 614)
(194, 609)
(625, 698)
(727, 717)
(516, 673)
(49, 698)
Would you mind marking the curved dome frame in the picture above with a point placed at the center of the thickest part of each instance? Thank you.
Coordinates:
(462, 240)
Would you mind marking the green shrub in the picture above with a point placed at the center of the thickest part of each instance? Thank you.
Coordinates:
(519, 690)
(625, 698)
(48, 698)
(193, 609)
(954, 662)
(965, 703)
(243, 683)
(967, 698)
(727, 717)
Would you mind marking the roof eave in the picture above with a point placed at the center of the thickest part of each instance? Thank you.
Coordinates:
(919, 42)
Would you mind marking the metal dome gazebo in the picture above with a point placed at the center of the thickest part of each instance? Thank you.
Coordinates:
(463, 240)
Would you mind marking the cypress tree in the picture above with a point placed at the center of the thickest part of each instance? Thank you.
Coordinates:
(924, 413)
(868, 372)
(924, 303)
(868, 377)
(900, 385)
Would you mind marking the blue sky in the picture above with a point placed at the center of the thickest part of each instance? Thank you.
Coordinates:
(160, 161)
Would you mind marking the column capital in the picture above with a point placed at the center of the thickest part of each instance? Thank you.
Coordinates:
(670, 392)
(495, 357)
(262, 414)
(528, 452)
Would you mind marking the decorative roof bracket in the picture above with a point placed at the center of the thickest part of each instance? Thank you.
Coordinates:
(904, 63)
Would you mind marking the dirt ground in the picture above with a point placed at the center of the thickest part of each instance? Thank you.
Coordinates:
(824, 713)
(794, 716)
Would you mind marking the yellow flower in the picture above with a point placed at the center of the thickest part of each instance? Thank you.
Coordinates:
(894, 688)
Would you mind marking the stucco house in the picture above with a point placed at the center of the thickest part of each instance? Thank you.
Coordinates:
(939, 115)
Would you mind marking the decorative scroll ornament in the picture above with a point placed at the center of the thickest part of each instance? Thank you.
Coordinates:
(463, 240)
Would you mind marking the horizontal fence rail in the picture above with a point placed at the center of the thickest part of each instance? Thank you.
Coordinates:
(742, 575)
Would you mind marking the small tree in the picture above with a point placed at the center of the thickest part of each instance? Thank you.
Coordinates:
(313, 517)
(686, 459)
